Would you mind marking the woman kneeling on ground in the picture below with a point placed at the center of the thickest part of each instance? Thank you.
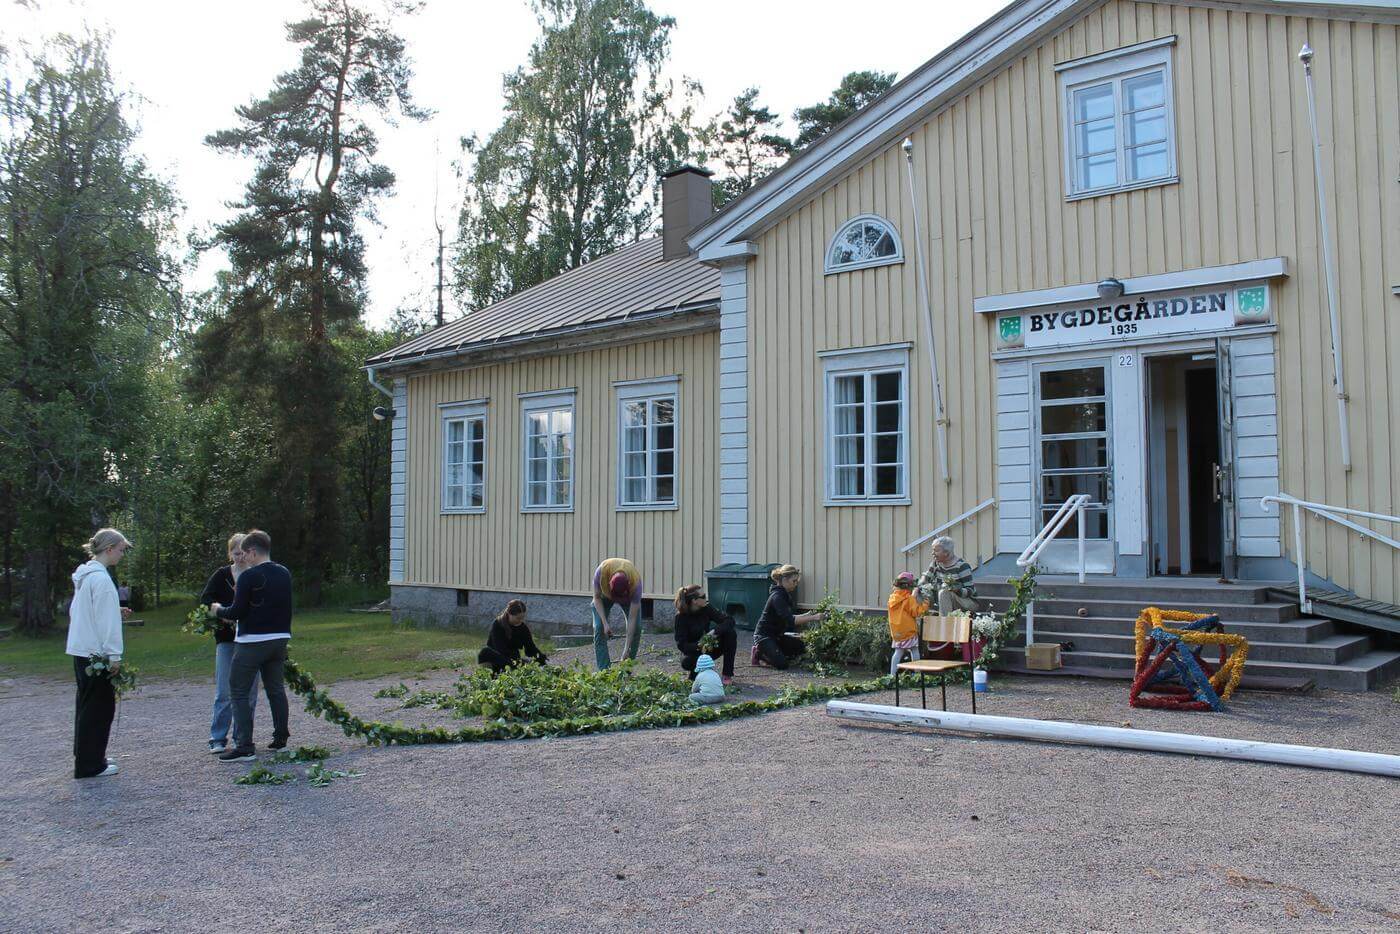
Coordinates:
(772, 645)
(508, 638)
(694, 618)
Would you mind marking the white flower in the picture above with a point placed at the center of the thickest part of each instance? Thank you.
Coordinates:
(986, 625)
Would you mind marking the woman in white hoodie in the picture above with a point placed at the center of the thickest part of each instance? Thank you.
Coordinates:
(95, 628)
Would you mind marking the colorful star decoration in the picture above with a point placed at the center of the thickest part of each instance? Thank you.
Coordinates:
(1170, 672)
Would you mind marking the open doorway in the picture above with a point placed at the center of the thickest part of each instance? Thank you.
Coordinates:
(1183, 444)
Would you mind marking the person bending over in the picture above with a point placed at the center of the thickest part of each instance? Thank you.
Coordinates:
(694, 618)
(262, 608)
(772, 644)
(508, 639)
(617, 582)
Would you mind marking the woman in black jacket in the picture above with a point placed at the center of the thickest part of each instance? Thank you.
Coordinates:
(220, 590)
(508, 638)
(771, 643)
(694, 618)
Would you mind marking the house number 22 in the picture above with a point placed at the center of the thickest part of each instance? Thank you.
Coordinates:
(1126, 359)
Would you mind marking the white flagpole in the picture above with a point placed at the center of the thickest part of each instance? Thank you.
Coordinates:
(940, 414)
(1305, 55)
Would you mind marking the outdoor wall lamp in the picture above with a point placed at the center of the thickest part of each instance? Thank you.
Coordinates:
(1110, 288)
(380, 413)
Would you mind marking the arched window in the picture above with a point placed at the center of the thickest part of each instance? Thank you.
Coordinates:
(862, 242)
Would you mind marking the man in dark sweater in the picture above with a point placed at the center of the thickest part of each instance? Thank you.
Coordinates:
(262, 608)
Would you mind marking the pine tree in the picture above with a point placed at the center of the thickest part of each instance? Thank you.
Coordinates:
(855, 91)
(748, 146)
(572, 172)
(87, 298)
(297, 259)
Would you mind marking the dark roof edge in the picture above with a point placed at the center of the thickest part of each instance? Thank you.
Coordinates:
(538, 337)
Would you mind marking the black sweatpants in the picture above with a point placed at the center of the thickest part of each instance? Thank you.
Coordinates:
(250, 659)
(499, 662)
(728, 645)
(779, 652)
(92, 721)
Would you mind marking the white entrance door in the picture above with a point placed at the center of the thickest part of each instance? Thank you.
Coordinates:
(1074, 454)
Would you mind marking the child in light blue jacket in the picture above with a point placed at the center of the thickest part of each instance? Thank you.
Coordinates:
(708, 688)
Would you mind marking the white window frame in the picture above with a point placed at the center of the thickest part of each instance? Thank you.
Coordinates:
(866, 361)
(532, 403)
(649, 391)
(861, 219)
(465, 412)
(1115, 67)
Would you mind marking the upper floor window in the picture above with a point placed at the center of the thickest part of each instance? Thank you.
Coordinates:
(464, 457)
(862, 242)
(646, 476)
(1119, 119)
(548, 431)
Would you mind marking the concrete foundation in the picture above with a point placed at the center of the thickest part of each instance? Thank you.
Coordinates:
(548, 614)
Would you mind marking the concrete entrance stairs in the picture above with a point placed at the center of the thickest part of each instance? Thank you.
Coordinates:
(1285, 648)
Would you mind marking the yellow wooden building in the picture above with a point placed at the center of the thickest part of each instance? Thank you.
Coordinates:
(1092, 229)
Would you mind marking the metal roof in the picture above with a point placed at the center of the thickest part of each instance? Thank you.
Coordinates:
(630, 282)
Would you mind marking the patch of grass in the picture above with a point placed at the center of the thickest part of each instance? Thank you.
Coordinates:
(336, 644)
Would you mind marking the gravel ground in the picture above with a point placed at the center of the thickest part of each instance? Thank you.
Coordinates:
(785, 822)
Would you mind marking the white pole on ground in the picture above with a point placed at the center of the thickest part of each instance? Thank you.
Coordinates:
(1317, 757)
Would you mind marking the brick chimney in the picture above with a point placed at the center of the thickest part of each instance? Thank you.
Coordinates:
(685, 204)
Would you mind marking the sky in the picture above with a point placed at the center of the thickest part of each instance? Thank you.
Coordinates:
(189, 63)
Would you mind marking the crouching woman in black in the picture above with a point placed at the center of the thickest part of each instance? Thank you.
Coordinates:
(694, 618)
(508, 638)
(772, 644)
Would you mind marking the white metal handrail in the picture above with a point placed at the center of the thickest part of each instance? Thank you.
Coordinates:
(1333, 514)
(948, 525)
(1071, 507)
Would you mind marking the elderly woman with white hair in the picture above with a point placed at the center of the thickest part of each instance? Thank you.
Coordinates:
(948, 580)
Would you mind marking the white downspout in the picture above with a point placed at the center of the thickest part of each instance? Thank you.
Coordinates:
(939, 413)
(1329, 260)
(373, 381)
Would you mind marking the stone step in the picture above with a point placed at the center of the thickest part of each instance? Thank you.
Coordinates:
(1272, 612)
(1303, 629)
(1330, 650)
(1359, 674)
(1153, 592)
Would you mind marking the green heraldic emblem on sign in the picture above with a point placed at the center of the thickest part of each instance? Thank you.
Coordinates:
(1252, 302)
(1009, 330)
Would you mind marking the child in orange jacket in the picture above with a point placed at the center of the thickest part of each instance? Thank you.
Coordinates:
(904, 612)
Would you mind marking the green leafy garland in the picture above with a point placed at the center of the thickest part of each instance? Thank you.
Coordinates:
(123, 678)
(198, 622)
(377, 733)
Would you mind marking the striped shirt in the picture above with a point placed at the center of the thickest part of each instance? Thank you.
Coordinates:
(959, 570)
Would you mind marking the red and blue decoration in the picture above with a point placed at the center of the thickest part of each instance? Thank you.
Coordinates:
(1170, 673)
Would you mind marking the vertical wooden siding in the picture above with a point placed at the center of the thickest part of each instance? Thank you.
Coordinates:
(990, 169)
(508, 550)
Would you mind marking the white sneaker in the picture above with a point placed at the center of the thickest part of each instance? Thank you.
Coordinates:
(111, 769)
(216, 748)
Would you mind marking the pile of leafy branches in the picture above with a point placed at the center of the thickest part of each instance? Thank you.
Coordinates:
(261, 775)
(377, 733)
(302, 754)
(399, 690)
(847, 638)
(541, 692)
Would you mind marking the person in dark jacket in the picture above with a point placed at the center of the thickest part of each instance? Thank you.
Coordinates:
(508, 638)
(772, 645)
(694, 618)
(220, 589)
(262, 608)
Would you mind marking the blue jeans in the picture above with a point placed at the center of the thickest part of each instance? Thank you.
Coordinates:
(600, 641)
(223, 697)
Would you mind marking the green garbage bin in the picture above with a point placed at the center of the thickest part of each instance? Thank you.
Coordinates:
(740, 590)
